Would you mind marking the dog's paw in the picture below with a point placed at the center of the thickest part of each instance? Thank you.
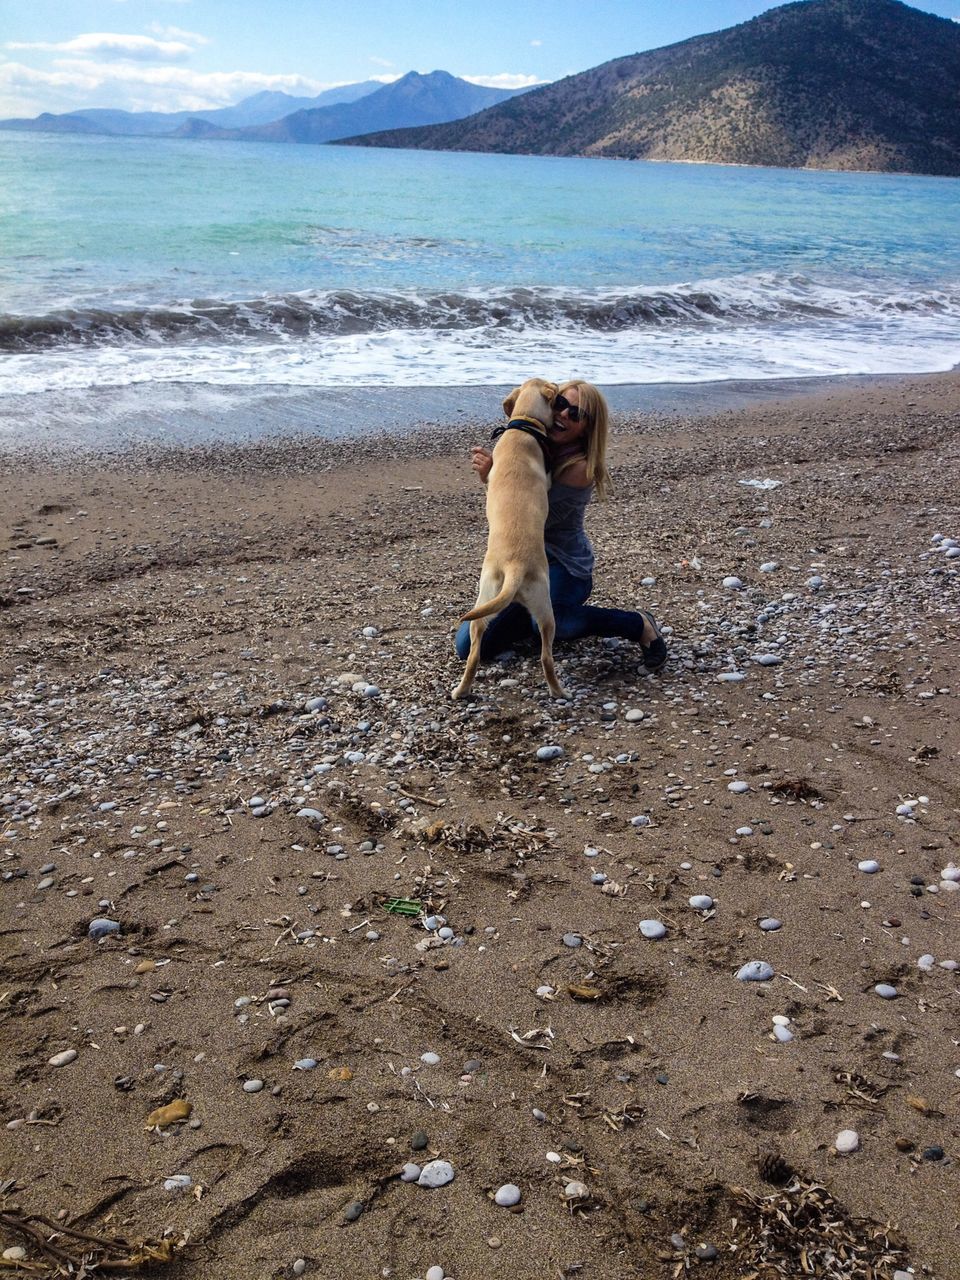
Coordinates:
(560, 692)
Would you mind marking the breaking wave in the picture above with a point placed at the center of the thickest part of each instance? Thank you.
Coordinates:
(766, 300)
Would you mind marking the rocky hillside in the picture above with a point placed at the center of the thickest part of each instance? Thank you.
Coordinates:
(826, 84)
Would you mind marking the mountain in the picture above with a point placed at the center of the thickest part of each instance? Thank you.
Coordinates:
(824, 84)
(258, 109)
(412, 100)
(47, 123)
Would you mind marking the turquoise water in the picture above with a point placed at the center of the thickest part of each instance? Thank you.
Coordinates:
(133, 260)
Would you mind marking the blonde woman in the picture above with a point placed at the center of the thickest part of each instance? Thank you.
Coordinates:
(578, 449)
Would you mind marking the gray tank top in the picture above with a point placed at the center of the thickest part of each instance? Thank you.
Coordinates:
(564, 536)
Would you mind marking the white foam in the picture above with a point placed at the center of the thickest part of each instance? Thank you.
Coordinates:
(425, 357)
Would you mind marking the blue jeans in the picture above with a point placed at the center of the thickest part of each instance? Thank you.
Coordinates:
(574, 619)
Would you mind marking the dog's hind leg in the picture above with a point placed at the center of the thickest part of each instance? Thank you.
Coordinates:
(537, 600)
(477, 627)
(489, 587)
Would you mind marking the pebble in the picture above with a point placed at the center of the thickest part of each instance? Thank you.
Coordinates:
(869, 865)
(419, 1141)
(549, 753)
(847, 1141)
(767, 659)
(732, 584)
(299, 1266)
(572, 940)
(641, 820)
(305, 1064)
(575, 1191)
(755, 971)
(738, 788)
(701, 902)
(783, 1034)
(508, 1195)
(252, 1086)
(410, 1172)
(886, 991)
(706, 1252)
(430, 1059)
(634, 715)
(435, 1273)
(63, 1059)
(102, 928)
(770, 924)
(435, 1174)
(179, 1182)
(353, 1210)
(652, 929)
(731, 677)
(16, 1253)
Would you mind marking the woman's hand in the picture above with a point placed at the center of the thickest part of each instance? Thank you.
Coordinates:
(481, 460)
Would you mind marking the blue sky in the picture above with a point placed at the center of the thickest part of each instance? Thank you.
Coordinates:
(169, 55)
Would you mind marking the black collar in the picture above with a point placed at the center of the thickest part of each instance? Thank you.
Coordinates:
(536, 431)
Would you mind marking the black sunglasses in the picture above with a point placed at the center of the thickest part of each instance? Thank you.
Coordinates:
(563, 405)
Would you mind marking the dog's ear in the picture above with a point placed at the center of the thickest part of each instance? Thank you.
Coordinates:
(510, 401)
(550, 392)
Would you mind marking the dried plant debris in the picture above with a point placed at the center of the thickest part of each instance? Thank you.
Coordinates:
(55, 1249)
(801, 1230)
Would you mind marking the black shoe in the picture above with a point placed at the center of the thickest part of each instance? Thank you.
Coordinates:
(654, 654)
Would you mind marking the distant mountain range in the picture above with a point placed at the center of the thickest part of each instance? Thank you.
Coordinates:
(278, 117)
(824, 84)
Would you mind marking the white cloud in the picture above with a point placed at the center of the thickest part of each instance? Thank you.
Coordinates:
(536, 43)
(75, 84)
(381, 62)
(107, 44)
(177, 33)
(506, 80)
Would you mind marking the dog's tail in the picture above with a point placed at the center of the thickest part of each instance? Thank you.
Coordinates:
(512, 578)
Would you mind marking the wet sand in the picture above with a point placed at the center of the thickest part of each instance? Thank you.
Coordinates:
(186, 632)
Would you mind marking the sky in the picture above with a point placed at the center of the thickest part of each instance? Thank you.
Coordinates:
(175, 55)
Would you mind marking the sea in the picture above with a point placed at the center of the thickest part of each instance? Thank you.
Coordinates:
(153, 285)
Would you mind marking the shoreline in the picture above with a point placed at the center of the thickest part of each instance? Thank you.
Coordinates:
(116, 420)
(225, 725)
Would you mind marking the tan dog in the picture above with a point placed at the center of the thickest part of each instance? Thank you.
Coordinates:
(515, 566)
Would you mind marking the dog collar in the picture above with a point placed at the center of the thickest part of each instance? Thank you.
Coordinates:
(532, 428)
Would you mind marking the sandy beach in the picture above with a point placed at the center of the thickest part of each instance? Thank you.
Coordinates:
(225, 727)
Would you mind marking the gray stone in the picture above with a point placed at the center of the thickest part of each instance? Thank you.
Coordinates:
(755, 971)
(102, 928)
(507, 1196)
(436, 1174)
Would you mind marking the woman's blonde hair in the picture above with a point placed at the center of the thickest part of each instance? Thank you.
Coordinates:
(593, 409)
